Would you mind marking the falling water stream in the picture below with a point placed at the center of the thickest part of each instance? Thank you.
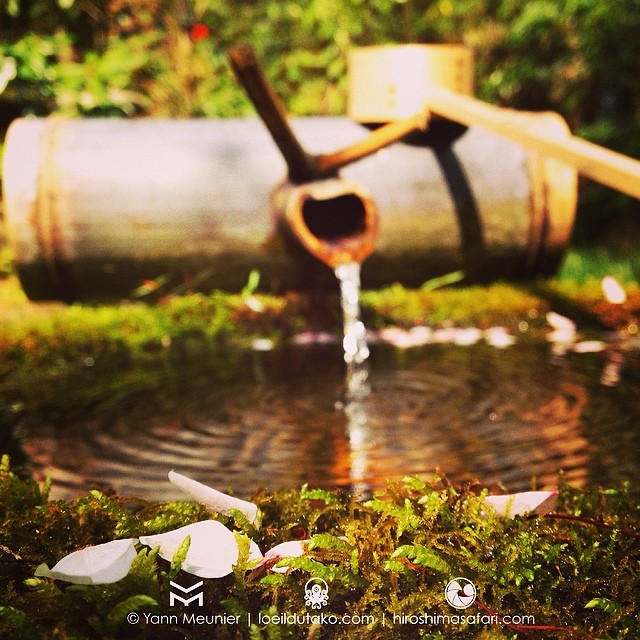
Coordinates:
(356, 353)
(356, 350)
(270, 419)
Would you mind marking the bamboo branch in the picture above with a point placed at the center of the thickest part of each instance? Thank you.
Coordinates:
(380, 138)
(301, 166)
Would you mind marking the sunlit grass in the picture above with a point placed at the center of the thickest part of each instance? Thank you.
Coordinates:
(594, 263)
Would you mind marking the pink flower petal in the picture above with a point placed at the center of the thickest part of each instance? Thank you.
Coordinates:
(517, 504)
(97, 564)
(213, 499)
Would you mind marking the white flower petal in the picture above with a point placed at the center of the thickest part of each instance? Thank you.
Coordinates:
(262, 344)
(99, 564)
(395, 336)
(254, 304)
(445, 335)
(212, 553)
(466, 337)
(559, 349)
(254, 551)
(560, 322)
(517, 504)
(562, 336)
(42, 571)
(589, 346)
(613, 291)
(420, 335)
(499, 337)
(314, 337)
(403, 338)
(213, 499)
(291, 549)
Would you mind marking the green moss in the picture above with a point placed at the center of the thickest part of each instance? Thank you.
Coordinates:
(58, 358)
(575, 570)
(588, 263)
(477, 306)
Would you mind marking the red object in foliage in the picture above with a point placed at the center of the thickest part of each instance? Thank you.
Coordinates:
(199, 31)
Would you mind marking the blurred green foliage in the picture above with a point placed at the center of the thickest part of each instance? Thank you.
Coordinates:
(167, 58)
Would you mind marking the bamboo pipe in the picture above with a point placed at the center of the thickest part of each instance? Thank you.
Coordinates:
(603, 165)
(302, 166)
(96, 206)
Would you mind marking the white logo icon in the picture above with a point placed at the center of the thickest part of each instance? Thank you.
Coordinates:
(316, 593)
(460, 593)
(198, 597)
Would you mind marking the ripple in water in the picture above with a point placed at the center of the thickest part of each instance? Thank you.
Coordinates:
(503, 416)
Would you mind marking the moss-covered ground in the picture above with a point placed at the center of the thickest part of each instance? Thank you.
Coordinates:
(576, 572)
(569, 574)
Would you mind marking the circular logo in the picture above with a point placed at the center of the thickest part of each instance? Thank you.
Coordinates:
(460, 593)
(316, 593)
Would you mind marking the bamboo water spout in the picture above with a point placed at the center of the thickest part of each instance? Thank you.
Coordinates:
(335, 220)
(96, 207)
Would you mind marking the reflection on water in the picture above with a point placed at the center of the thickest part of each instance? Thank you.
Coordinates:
(503, 416)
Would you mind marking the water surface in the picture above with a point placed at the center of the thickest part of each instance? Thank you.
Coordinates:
(515, 417)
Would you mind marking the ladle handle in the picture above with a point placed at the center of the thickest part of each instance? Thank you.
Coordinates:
(603, 165)
(301, 165)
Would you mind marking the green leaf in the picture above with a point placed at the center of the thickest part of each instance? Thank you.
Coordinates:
(242, 522)
(118, 614)
(179, 556)
(16, 621)
(328, 541)
(319, 570)
(355, 561)
(233, 607)
(422, 556)
(395, 566)
(414, 483)
(252, 283)
(443, 281)
(274, 579)
(609, 606)
(244, 550)
(404, 515)
(318, 494)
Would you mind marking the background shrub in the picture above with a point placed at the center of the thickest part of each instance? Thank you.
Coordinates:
(167, 58)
